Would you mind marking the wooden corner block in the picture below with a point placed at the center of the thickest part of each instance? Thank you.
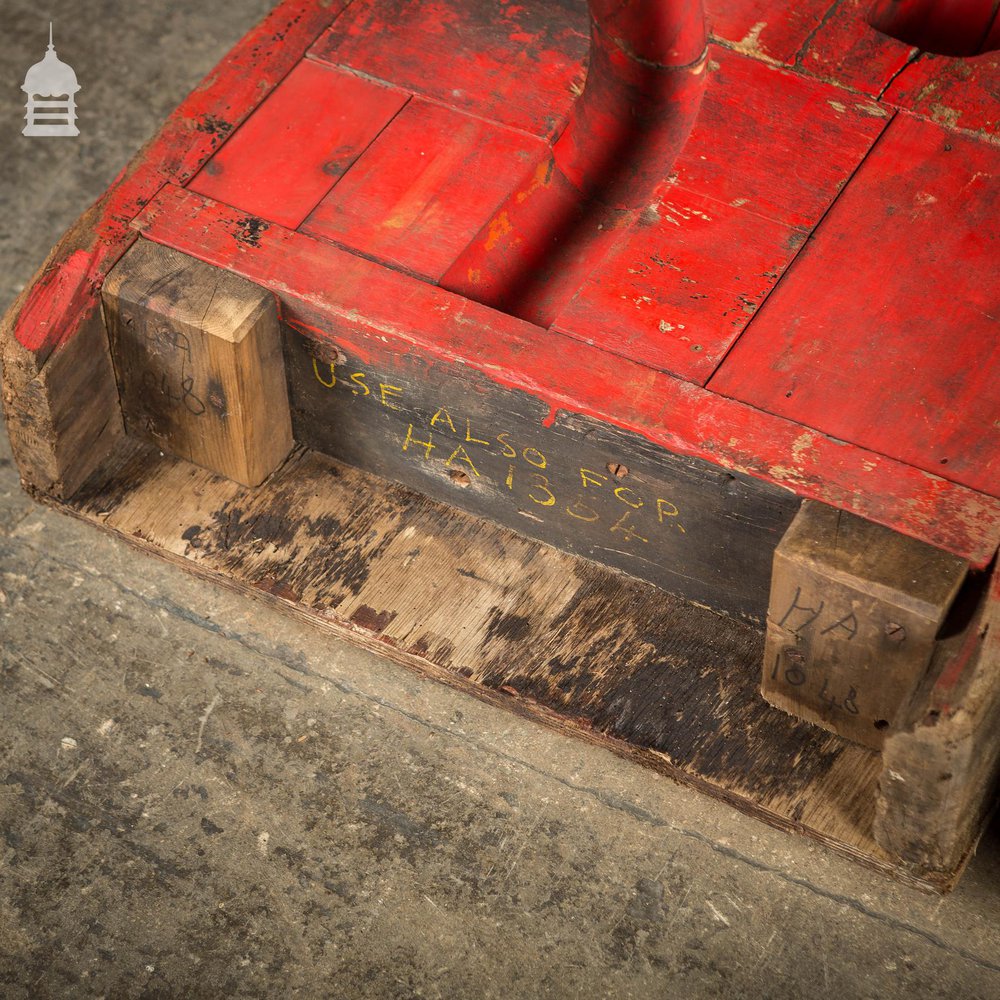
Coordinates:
(198, 356)
(62, 413)
(940, 771)
(854, 612)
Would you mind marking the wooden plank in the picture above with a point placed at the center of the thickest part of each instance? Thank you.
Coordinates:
(691, 528)
(281, 162)
(377, 314)
(885, 331)
(938, 785)
(423, 189)
(959, 93)
(854, 613)
(199, 362)
(516, 623)
(829, 39)
(517, 64)
(48, 413)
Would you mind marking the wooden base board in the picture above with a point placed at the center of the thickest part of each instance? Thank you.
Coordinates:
(579, 647)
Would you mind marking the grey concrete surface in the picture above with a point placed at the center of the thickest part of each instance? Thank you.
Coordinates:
(200, 798)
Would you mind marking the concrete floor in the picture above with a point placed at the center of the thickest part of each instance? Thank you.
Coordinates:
(199, 798)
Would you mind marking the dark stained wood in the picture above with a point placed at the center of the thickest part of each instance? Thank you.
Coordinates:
(940, 773)
(574, 645)
(198, 356)
(687, 526)
(854, 613)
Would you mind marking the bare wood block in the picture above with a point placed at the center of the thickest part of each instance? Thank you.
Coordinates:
(941, 769)
(199, 361)
(854, 612)
(62, 414)
(60, 400)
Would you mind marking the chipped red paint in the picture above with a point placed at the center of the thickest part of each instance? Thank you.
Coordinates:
(424, 188)
(509, 61)
(377, 314)
(885, 331)
(829, 39)
(644, 87)
(59, 304)
(684, 285)
(960, 93)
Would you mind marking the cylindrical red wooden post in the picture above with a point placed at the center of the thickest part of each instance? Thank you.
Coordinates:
(643, 91)
(947, 27)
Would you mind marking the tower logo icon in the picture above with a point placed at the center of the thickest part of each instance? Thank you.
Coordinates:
(51, 88)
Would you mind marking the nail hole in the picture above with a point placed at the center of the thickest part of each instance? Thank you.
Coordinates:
(944, 461)
(881, 724)
(459, 478)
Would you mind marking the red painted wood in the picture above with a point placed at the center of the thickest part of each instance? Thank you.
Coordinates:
(948, 27)
(780, 145)
(645, 80)
(680, 288)
(68, 293)
(516, 63)
(885, 331)
(331, 294)
(423, 189)
(830, 39)
(962, 93)
(298, 143)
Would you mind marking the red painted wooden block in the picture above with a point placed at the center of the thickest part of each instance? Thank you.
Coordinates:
(884, 333)
(298, 143)
(519, 64)
(425, 186)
